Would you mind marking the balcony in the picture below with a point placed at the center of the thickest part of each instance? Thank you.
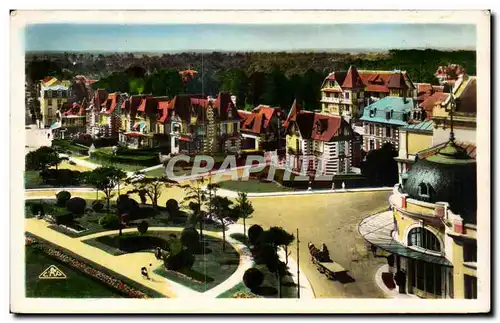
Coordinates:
(330, 100)
(346, 101)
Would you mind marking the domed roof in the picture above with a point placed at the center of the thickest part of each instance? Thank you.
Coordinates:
(448, 176)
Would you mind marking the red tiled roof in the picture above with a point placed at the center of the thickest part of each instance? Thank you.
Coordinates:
(325, 126)
(423, 88)
(258, 120)
(429, 103)
(142, 105)
(396, 81)
(352, 79)
(73, 109)
(110, 103)
(318, 126)
(47, 79)
(292, 115)
(164, 106)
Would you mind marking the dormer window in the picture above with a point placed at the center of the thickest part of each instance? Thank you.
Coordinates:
(230, 113)
(371, 113)
(387, 115)
(424, 190)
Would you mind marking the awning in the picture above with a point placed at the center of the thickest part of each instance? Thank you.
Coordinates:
(377, 229)
(139, 125)
(55, 125)
(133, 134)
(185, 138)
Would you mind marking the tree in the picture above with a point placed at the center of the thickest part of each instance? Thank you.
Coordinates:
(253, 278)
(150, 186)
(196, 198)
(235, 81)
(380, 167)
(76, 205)
(42, 159)
(223, 211)
(143, 227)
(190, 238)
(244, 209)
(254, 234)
(282, 238)
(63, 197)
(106, 179)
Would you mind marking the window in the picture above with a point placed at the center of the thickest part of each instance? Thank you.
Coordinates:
(341, 147)
(388, 131)
(423, 190)
(470, 285)
(423, 238)
(372, 129)
(470, 251)
(176, 142)
(346, 95)
(353, 95)
(371, 113)
(372, 144)
(49, 93)
(230, 113)
(59, 93)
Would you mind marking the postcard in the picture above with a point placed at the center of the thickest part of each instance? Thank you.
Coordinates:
(250, 162)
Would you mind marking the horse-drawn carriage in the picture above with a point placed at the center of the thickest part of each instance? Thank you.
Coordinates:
(324, 264)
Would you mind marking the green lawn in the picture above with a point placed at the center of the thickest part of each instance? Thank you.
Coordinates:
(32, 179)
(122, 166)
(209, 270)
(253, 186)
(158, 172)
(76, 285)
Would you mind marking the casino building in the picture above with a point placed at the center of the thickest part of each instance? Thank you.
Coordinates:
(429, 230)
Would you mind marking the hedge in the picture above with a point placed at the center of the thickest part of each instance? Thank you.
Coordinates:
(144, 160)
(68, 145)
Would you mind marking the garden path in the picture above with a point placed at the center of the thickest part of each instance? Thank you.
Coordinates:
(123, 264)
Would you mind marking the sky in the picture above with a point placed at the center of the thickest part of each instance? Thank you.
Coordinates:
(257, 37)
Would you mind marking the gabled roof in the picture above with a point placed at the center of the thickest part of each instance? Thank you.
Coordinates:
(292, 115)
(318, 126)
(72, 109)
(259, 119)
(352, 79)
(429, 103)
(164, 106)
(397, 81)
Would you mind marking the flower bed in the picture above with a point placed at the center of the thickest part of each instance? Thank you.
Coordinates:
(86, 269)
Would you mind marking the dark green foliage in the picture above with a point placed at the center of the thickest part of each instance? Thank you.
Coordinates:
(380, 168)
(253, 278)
(76, 205)
(97, 206)
(70, 146)
(35, 208)
(63, 197)
(42, 159)
(143, 227)
(134, 243)
(110, 221)
(149, 159)
(65, 218)
(63, 177)
(182, 260)
(254, 233)
(190, 238)
(172, 207)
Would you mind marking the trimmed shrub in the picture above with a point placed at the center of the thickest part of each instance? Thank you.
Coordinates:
(35, 208)
(172, 207)
(76, 205)
(97, 206)
(110, 221)
(183, 259)
(125, 204)
(254, 233)
(190, 238)
(64, 219)
(143, 227)
(63, 197)
(253, 278)
(63, 177)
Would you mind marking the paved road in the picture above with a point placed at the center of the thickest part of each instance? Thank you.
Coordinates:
(331, 219)
(36, 138)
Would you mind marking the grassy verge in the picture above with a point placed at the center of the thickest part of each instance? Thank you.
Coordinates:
(253, 186)
(129, 282)
(209, 270)
(76, 285)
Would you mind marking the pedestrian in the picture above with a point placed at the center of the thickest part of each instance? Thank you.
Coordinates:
(144, 273)
(158, 253)
(150, 269)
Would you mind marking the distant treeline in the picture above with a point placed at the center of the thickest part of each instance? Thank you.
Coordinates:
(269, 78)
